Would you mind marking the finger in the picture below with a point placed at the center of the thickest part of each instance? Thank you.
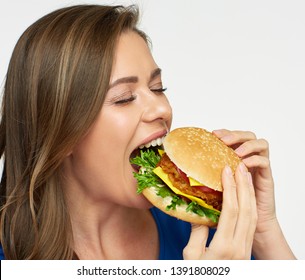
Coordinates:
(221, 246)
(234, 137)
(261, 165)
(245, 205)
(229, 212)
(259, 146)
(257, 161)
(197, 242)
(253, 224)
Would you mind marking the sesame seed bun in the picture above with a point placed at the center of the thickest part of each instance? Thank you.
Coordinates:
(180, 211)
(200, 154)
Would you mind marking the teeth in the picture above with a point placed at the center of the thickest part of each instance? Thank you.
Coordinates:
(153, 143)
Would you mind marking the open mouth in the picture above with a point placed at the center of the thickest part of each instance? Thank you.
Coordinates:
(152, 145)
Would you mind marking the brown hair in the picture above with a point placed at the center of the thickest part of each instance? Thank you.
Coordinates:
(57, 79)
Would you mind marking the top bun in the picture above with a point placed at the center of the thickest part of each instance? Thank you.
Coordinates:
(200, 154)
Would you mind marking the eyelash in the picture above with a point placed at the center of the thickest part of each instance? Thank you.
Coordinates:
(133, 97)
(125, 100)
(159, 90)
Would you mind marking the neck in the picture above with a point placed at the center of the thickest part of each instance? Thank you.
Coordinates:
(103, 229)
(114, 232)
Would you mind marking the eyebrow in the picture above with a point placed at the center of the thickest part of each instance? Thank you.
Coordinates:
(134, 79)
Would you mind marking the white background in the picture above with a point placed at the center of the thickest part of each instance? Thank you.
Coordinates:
(152, 270)
(227, 64)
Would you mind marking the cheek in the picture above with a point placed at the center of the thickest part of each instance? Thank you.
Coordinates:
(103, 142)
(118, 126)
(111, 137)
(120, 122)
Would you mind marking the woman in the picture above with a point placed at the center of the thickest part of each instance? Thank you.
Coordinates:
(82, 93)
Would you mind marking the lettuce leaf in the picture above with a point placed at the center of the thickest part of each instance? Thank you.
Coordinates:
(147, 161)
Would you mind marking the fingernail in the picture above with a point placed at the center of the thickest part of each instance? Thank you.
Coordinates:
(226, 138)
(239, 151)
(218, 132)
(242, 168)
(228, 170)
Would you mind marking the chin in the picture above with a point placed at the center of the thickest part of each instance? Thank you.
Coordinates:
(140, 202)
(145, 203)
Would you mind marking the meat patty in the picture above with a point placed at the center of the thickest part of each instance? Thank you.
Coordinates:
(181, 182)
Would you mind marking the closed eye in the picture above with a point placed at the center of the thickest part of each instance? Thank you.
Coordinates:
(125, 100)
(157, 90)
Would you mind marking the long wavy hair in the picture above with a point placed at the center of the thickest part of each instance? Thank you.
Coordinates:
(55, 86)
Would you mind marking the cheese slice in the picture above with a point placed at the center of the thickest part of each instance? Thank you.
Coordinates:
(193, 182)
(160, 173)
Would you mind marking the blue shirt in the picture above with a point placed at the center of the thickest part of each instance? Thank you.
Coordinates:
(1, 253)
(173, 236)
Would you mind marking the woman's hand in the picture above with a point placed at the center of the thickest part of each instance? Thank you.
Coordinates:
(269, 241)
(234, 236)
(255, 155)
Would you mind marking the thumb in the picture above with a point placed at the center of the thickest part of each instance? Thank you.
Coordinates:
(197, 242)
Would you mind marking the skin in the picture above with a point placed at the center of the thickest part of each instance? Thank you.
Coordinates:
(254, 201)
(99, 178)
(100, 186)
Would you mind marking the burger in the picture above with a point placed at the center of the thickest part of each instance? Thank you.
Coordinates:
(182, 177)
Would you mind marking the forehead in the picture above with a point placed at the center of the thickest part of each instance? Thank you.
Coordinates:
(132, 57)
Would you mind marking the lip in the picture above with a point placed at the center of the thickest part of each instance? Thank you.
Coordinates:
(153, 136)
(148, 139)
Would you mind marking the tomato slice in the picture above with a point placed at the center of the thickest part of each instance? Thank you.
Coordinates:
(202, 188)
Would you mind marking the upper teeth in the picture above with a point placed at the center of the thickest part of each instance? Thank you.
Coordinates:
(153, 143)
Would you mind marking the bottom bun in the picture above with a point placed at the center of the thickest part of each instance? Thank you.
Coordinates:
(180, 211)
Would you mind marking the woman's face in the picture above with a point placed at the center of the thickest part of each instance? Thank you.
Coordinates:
(134, 113)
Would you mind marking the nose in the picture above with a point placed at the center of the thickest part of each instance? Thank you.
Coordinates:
(156, 107)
